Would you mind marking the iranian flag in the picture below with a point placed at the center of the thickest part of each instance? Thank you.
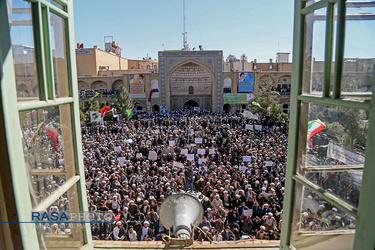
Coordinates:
(314, 127)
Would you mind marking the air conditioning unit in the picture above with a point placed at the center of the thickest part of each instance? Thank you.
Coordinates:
(104, 67)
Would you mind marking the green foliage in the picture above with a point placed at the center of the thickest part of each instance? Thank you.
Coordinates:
(347, 125)
(123, 101)
(264, 96)
(284, 116)
(275, 113)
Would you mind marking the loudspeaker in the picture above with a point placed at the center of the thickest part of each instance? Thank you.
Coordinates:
(179, 213)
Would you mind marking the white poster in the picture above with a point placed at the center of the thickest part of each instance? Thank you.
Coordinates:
(117, 149)
(121, 160)
(198, 140)
(152, 155)
(148, 142)
(95, 116)
(246, 158)
(211, 151)
(171, 143)
(184, 151)
(201, 160)
(268, 163)
(157, 131)
(258, 127)
(129, 141)
(248, 212)
(345, 156)
(178, 164)
(61, 161)
(175, 131)
(243, 169)
(249, 127)
(138, 155)
(190, 157)
(201, 151)
(197, 133)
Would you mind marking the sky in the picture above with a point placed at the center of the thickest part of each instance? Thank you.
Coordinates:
(258, 28)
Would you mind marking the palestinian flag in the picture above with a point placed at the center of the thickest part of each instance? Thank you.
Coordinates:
(52, 132)
(314, 127)
(96, 94)
(129, 113)
(256, 104)
(104, 110)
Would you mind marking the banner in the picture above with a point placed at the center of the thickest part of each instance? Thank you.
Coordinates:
(117, 149)
(121, 160)
(237, 98)
(171, 143)
(202, 160)
(345, 156)
(211, 151)
(95, 116)
(184, 151)
(137, 86)
(198, 140)
(246, 82)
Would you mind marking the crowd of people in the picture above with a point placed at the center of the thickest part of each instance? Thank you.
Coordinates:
(234, 164)
(239, 172)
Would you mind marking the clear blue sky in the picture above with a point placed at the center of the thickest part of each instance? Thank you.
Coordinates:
(253, 27)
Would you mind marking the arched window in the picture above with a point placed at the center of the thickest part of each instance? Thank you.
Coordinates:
(191, 90)
(156, 67)
(148, 67)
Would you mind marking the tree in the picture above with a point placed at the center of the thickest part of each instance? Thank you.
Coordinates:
(264, 96)
(123, 101)
(275, 113)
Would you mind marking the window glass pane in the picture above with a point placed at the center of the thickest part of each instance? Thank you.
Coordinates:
(60, 66)
(313, 64)
(44, 185)
(48, 141)
(333, 148)
(57, 4)
(22, 37)
(358, 67)
(318, 224)
(53, 231)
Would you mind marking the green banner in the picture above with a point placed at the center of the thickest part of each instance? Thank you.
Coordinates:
(238, 98)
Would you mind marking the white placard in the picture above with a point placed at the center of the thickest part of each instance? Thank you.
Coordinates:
(175, 131)
(190, 157)
(157, 131)
(148, 142)
(268, 163)
(129, 141)
(258, 127)
(201, 160)
(198, 140)
(184, 151)
(61, 161)
(191, 132)
(212, 151)
(197, 133)
(246, 158)
(178, 164)
(152, 155)
(201, 151)
(249, 127)
(117, 149)
(121, 160)
(248, 212)
(243, 169)
(266, 194)
(138, 155)
(171, 143)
